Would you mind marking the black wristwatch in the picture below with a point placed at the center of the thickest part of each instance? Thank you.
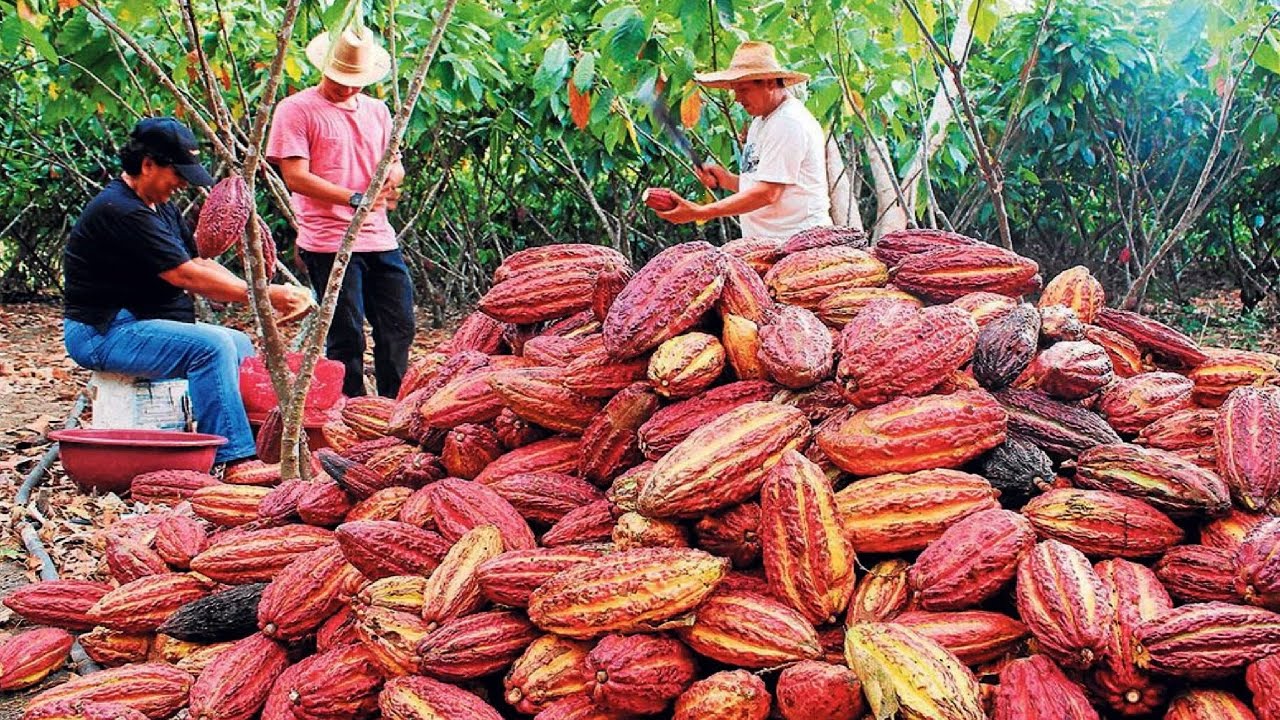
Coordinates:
(356, 199)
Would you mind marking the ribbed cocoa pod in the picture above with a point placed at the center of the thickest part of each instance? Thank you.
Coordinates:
(552, 258)
(745, 295)
(1204, 704)
(539, 396)
(129, 559)
(1187, 433)
(341, 684)
(724, 462)
(509, 578)
(665, 298)
(733, 533)
(266, 443)
(814, 689)
(453, 590)
(594, 373)
(746, 629)
(179, 539)
(1263, 679)
(324, 503)
(902, 352)
(946, 274)
(467, 648)
(1077, 289)
(168, 487)
(971, 561)
(337, 435)
(31, 655)
(551, 668)
(383, 548)
(686, 364)
(112, 648)
(902, 670)
(632, 530)
(83, 710)
(670, 425)
(908, 434)
(578, 707)
(973, 636)
(545, 497)
(223, 216)
(252, 472)
(1033, 688)
(1248, 440)
(625, 489)
(897, 513)
(390, 636)
(467, 398)
(1126, 357)
(804, 279)
(841, 307)
(1101, 523)
(893, 247)
(1019, 469)
(757, 252)
(1006, 346)
(638, 673)
(385, 504)
(1207, 640)
(1060, 324)
(590, 523)
(611, 442)
(1069, 370)
(826, 236)
(726, 695)
(280, 506)
(796, 350)
(1134, 595)
(468, 448)
(1226, 370)
(368, 415)
(556, 454)
(235, 685)
(1063, 602)
(741, 339)
(477, 332)
(1198, 573)
(1135, 402)
(257, 555)
(142, 605)
(657, 584)
(809, 564)
(305, 594)
(882, 594)
(1152, 336)
(156, 690)
(559, 351)
(1059, 429)
(357, 475)
(399, 592)
(225, 615)
(421, 698)
(610, 282)
(1257, 565)
(985, 307)
(228, 505)
(534, 296)
(457, 506)
(1229, 531)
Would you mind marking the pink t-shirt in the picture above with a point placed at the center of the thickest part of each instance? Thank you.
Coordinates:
(343, 146)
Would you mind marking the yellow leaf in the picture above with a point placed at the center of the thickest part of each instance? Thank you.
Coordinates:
(579, 106)
(224, 76)
(691, 109)
(292, 68)
(26, 13)
(631, 132)
(54, 91)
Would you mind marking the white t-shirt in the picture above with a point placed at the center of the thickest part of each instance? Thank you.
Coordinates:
(786, 147)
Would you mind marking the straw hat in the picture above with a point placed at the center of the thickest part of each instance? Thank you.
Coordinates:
(751, 61)
(355, 60)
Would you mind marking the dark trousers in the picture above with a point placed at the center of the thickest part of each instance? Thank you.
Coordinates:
(376, 286)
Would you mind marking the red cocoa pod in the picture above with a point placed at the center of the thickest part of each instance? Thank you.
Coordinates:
(611, 442)
(893, 349)
(983, 307)
(61, 603)
(511, 577)
(1126, 357)
(1102, 524)
(1248, 440)
(658, 198)
(421, 698)
(1226, 370)
(556, 454)
(551, 668)
(545, 497)
(665, 298)
(227, 505)
(223, 217)
(1257, 565)
(973, 636)
(280, 506)
(588, 524)
(1207, 640)
(796, 349)
(578, 707)
(179, 539)
(1204, 704)
(477, 332)
(145, 603)
(1062, 600)
(31, 655)
(341, 683)
(112, 648)
(733, 533)
(128, 559)
(745, 293)
(898, 513)
(156, 690)
(324, 503)
(1167, 481)
(453, 589)
(826, 236)
(882, 594)
(559, 351)
(1069, 370)
(758, 253)
(391, 637)
(473, 646)
(468, 448)
(1229, 531)
(383, 548)
(670, 425)
(235, 685)
(814, 689)
(1190, 429)
(594, 373)
(168, 487)
(83, 710)
(971, 561)
(726, 695)
(1152, 336)
(746, 629)
(806, 278)
(1135, 402)
(946, 274)
(306, 593)
(1198, 573)
(609, 284)
(1135, 596)
(385, 504)
(539, 396)
(1263, 679)
(458, 506)
(257, 555)
(550, 258)
(639, 674)
(892, 247)
(1034, 688)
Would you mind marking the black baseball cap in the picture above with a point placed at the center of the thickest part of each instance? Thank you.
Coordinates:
(172, 143)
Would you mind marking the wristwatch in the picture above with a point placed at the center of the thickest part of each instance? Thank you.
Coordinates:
(356, 199)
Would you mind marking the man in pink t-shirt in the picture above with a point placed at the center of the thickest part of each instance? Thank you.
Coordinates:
(328, 140)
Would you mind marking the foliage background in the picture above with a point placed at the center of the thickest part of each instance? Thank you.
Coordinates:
(1102, 115)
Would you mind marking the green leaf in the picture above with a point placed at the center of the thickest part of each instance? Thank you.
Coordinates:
(585, 72)
(928, 14)
(41, 43)
(985, 22)
(10, 35)
(555, 63)
(1184, 28)
(626, 32)
(1268, 54)
(724, 8)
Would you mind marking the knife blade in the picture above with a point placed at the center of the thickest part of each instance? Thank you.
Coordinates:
(674, 132)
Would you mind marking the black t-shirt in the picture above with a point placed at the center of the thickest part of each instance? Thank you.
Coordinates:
(115, 255)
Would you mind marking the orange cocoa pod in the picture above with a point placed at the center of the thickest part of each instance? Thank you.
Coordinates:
(726, 695)
(670, 425)
(342, 683)
(733, 533)
(1152, 336)
(453, 590)
(168, 487)
(533, 297)
(129, 559)
(368, 415)
(758, 253)
(1205, 704)
(145, 603)
(686, 364)
(257, 555)
(552, 258)
(841, 307)
(625, 592)
(305, 594)
(633, 530)
(457, 506)
(745, 294)
(796, 349)
(809, 563)
(1062, 600)
(1186, 430)
(509, 578)
(1034, 688)
(470, 647)
(1077, 289)
(903, 353)
(665, 298)
(323, 503)
(815, 689)
(179, 539)
(1135, 402)
(804, 279)
(1198, 573)
(594, 373)
(468, 398)
(746, 629)
(551, 668)
(384, 504)
(156, 690)
(946, 274)
(1248, 440)
(983, 307)
(391, 637)
(228, 505)
(724, 462)
(639, 674)
(421, 698)
(886, 514)
(971, 561)
(556, 454)
(914, 433)
(974, 636)
(30, 656)
(1101, 523)
(611, 442)
(1226, 370)
(112, 648)
(338, 435)
(741, 339)
(235, 685)
(1126, 357)
(882, 594)
(384, 548)
(468, 448)
(539, 396)
(1135, 596)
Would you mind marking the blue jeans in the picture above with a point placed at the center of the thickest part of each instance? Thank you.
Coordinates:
(377, 285)
(208, 356)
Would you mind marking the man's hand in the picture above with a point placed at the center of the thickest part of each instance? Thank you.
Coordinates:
(290, 302)
(683, 212)
(716, 177)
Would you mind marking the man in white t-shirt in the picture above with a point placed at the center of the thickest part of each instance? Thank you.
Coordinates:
(782, 187)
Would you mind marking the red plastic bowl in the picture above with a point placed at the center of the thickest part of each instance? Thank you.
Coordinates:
(259, 394)
(107, 460)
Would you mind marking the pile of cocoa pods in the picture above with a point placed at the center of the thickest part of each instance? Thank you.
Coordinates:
(809, 479)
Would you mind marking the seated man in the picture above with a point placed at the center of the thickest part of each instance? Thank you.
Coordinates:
(129, 265)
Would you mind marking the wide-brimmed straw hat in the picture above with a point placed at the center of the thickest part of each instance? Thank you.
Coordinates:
(751, 61)
(355, 60)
